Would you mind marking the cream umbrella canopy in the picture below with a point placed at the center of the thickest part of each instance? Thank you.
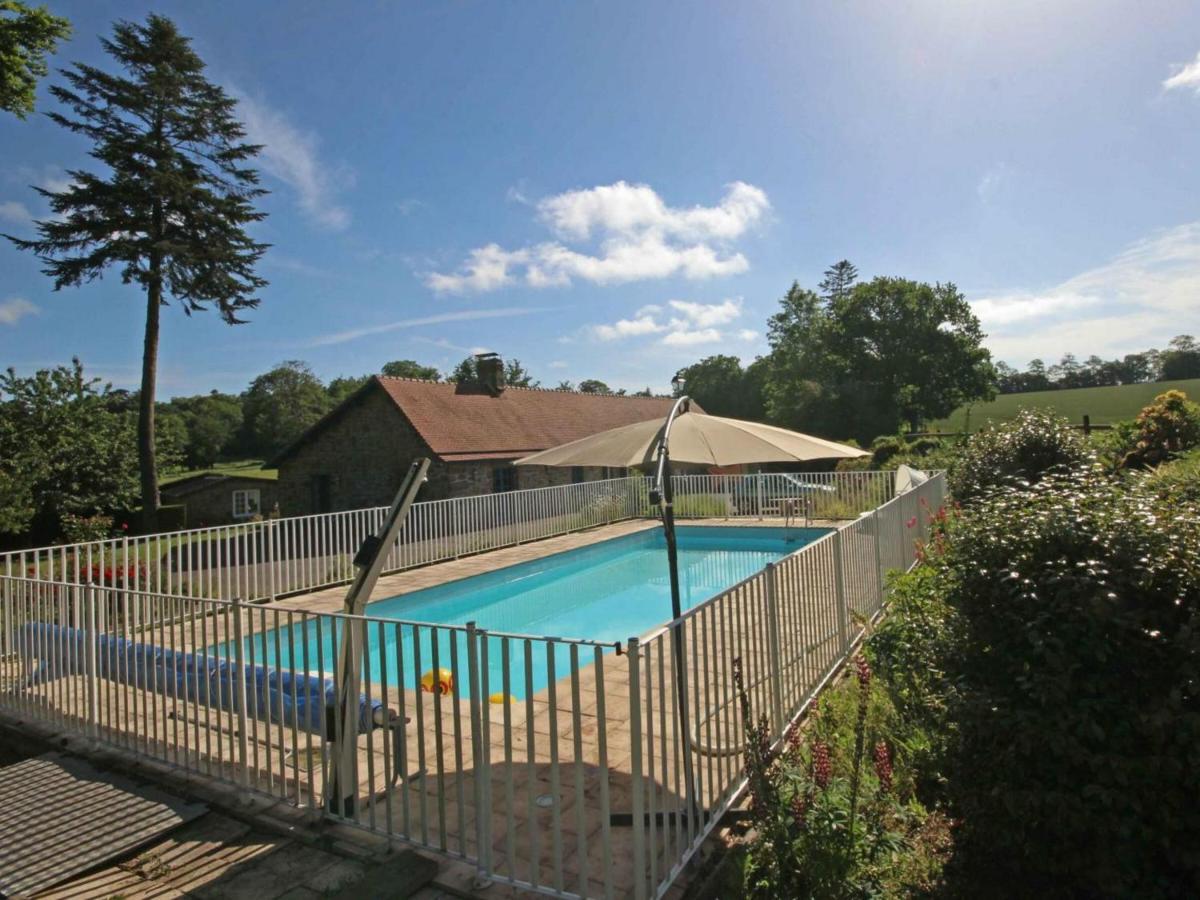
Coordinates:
(695, 438)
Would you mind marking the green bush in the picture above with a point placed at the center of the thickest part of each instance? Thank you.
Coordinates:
(834, 811)
(1167, 427)
(1178, 480)
(1033, 444)
(1075, 666)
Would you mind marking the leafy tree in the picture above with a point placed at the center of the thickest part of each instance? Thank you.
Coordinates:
(282, 404)
(410, 368)
(593, 386)
(341, 388)
(27, 35)
(723, 388)
(516, 375)
(565, 385)
(170, 208)
(65, 448)
(839, 279)
(1182, 360)
(465, 372)
(890, 351)
(644, 392)
(212, 421)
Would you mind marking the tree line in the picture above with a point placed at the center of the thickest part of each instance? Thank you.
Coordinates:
(1180, 360)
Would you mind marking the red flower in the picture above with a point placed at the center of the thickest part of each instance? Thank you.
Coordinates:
(912, 522)
(124, 526)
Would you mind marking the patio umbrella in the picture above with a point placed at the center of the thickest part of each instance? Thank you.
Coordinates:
(696, 438)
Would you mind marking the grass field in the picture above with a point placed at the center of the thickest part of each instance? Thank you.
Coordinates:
(248, 467)
(1105, 405)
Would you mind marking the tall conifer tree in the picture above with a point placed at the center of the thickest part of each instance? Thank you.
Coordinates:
(168, 207)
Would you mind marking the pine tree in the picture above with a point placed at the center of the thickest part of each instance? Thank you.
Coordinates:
(26, 36)
(839, 279)
(170, 208)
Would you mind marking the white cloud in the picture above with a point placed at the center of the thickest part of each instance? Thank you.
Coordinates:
(692, 323)
(1141, 298)
(12, 211)
(689, 337)
(14, 309)
(707, 315)
(628, 328)
(466, 315)
(1186, 76)
(291, 155)
(487, 269)
(558, 364)
(636, 235)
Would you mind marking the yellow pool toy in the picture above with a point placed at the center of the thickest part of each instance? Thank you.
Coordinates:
(497, 697)
(442, 681)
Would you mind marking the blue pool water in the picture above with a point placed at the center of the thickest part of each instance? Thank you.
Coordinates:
(604, 592)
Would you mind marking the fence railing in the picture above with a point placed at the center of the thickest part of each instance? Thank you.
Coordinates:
(552, 764)
(789, 627)
(277, 557)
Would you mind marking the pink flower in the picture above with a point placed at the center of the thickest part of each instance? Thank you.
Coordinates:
(822, 764)
(883, 766)
(912, 522)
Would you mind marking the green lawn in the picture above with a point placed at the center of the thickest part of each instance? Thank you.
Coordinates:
(1105, 405)
(248, 467)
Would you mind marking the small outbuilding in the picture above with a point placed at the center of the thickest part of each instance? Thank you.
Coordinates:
(218, 498)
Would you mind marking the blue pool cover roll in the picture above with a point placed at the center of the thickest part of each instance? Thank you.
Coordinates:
(271, 695)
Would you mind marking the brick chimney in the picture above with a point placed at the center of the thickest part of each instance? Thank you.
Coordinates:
(490, 369)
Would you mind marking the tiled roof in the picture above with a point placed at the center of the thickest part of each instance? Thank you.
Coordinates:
(471, 424)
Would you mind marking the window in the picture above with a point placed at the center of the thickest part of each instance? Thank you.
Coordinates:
(576, 474)
(245, 503)
(504, 478)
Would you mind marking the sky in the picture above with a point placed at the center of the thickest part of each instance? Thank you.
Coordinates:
(615, 190)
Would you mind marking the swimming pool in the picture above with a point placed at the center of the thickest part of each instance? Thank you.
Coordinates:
(605, 592)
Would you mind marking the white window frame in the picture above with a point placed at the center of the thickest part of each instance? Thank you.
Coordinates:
(247, 496)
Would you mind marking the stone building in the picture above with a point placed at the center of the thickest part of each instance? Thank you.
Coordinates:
(356, 455)
(212, 498)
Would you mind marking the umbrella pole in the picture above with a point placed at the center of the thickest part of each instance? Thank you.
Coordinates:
(677, 642)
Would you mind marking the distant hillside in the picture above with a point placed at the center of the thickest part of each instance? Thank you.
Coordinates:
(1104, 404)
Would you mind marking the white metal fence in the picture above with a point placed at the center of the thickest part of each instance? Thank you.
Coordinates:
(277, 557)
(548, 763)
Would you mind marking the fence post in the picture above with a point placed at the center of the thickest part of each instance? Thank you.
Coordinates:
(776, 656)
(269, 552)
(239, 700)
(877, 530)
(93, 674)
(759, 491)
(635, 746)
(839, 581)
(483, 817)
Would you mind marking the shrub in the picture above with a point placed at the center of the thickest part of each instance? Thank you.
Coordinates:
(1178, 480)
(1075, 673)
(1165, 428)
(1025, 449)
(82, 529)
(833, 812)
